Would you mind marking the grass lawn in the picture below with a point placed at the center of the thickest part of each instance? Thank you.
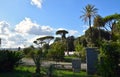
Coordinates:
(29, 71)
(69, 73)
(69, 58)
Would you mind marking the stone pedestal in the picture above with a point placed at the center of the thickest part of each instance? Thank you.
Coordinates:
(76, 65)
(91, 59)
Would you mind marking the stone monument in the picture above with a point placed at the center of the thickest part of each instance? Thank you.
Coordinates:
(91, 59)
(76, 65)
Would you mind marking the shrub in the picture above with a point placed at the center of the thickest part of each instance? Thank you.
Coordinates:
(28, 51)
(109, 60)
(56, 52)
(9, 59)
(80, 52)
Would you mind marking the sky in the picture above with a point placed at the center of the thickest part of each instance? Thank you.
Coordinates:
(23, 21)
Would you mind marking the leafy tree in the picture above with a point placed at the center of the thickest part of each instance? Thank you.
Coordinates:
(110, 21)
(43, 43)
(62, 33)
(46, 39)
(43, 40)
(89, 12)
(56, 51)
(37, 56)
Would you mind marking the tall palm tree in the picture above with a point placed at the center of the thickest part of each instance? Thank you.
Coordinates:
(89, 12)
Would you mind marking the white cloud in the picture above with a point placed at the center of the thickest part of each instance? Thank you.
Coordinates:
(10, 38)
(25, 33)
(37, 3)
(61, 29)
(84, 31)
(4, 28)
(73, 32)
(26, 26)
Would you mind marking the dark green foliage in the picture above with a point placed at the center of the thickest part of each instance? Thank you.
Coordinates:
(70, 43)
(9, 59)
(81, 40)
(104, 35)
(109, 60)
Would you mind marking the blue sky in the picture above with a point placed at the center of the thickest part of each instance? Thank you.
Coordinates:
(22, 21)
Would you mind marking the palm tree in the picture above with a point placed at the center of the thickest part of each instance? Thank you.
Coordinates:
(89, 12)
(98, 22)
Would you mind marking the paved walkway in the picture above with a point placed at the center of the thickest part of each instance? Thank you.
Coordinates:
(67, 65)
